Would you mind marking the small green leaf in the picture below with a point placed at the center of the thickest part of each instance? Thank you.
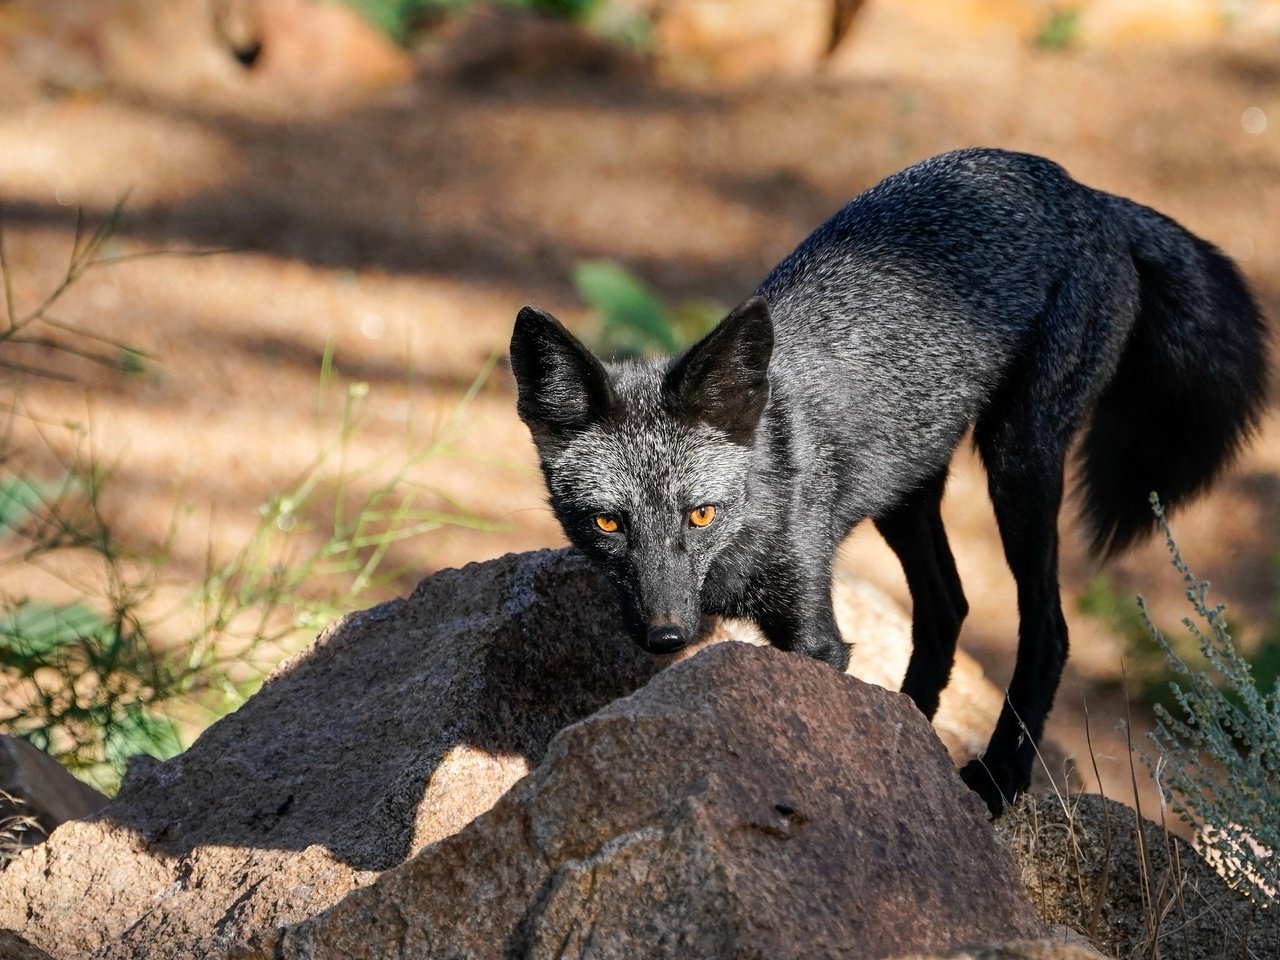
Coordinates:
(131, 361)
(137, 731)
(1059, 31)
(18, 498)
(634, 319)
(30, 629)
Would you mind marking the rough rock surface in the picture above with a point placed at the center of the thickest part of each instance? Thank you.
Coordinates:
(396, 729)
(880, 632)
(881, 636)
(746, 803)
(1085, 867)
(1018, 950)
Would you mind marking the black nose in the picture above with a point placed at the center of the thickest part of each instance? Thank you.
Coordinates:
(666, 639)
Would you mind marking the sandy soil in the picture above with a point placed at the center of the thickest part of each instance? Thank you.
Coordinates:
(407, 228)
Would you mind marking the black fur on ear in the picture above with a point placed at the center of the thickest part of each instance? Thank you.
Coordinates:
(561, 385)
(723, 379)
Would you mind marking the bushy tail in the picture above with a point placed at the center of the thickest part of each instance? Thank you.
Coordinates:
(1189, 389)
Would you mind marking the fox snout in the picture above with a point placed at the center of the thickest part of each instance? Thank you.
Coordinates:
(658, 627)
(659, 598)
(664, 638)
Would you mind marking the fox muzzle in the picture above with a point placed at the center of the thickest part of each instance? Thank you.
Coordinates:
(667, 638)
(658, 595)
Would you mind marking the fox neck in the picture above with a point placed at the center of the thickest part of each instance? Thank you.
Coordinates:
(766, 534)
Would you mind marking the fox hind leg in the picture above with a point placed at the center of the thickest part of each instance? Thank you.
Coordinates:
(1023, 438)
(1026, 497)
(914, 532)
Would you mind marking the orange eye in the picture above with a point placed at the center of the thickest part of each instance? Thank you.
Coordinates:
(606, 522)
(703, 515)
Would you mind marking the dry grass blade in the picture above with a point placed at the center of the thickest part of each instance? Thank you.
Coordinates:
(1095, 913)
(18, 830)
(122, 671)
(24, 331)
(10, 316)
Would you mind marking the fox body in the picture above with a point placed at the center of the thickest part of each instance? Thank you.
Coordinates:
(979, 288)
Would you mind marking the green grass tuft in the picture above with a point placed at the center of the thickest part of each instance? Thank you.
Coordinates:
(144, 658)
(1060, 30)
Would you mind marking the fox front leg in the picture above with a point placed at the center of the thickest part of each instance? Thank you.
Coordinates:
(798, 615)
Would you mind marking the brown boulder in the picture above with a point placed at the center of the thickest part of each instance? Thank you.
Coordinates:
(261, 56)
(746, 803)
(1133, 892)
(1017, 950)
(99, 889)
(880, 633)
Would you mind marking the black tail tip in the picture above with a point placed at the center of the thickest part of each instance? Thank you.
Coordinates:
(1114, 531)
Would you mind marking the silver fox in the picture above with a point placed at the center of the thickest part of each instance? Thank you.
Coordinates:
(979, 288)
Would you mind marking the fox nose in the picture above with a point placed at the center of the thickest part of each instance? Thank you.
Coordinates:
(664, 639)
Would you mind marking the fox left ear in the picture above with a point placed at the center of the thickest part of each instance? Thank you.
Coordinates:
(562, 386)
(723, 379)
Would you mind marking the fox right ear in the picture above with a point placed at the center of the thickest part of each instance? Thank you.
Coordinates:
(723, 379)
(561, 384)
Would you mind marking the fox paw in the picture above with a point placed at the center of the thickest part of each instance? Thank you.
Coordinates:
(997, 785)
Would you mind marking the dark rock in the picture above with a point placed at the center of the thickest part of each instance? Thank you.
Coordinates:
(14, 947)
(746, 803)
(1018, 950)
(34, 785)
(1129, 885)
(394, 729)
(397, 728)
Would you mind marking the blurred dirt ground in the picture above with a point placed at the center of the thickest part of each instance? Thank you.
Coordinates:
(403, 207)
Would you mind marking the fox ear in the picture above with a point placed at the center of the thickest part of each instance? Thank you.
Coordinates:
(561, 384)
(723, 379)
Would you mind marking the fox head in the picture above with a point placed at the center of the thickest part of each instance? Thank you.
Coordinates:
(647, 462)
